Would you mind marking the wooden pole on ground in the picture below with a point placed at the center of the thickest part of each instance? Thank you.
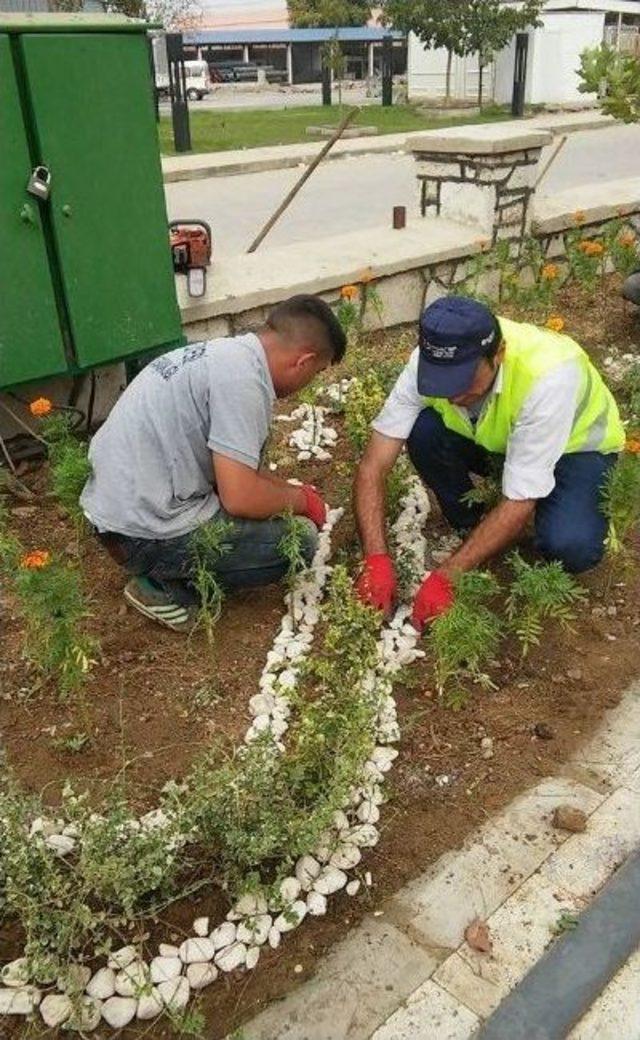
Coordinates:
(554, 155)
(305, 177)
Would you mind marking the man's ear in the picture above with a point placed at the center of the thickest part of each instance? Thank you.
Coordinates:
(499, 356)
(305, 358)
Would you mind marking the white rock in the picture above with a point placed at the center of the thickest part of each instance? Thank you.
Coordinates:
(340, 820)
(121, 958)
(331, 880)
(253, 956)
(201, 975)
(103, 984)
(368, 812)
(291, 917)
(223, 935)
(346, 857)
(201, 926)
(75, 978)
(251, 903)
(194, 951)
(365, 835)
(316, 904)
(22, 1001)
(261, 723)
(274, 938)
(287, 679)
(255, 930)
(307, 870)
(353, 887)
(55, 1009)
(368, 880)
(61, 844)
(290, 889)
(85, 1018)
(168, 950)
(261, 704)
(231, 957)
(149, 1006)
(175, 993)
(118, 1011)
(165, 968)
(15, 974)
(132, 979)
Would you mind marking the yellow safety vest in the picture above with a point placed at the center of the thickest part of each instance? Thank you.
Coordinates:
(530, 354)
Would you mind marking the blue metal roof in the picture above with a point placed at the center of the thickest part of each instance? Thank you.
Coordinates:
(266, 36)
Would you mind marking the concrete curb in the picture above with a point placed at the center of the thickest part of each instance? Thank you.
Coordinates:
(258, 160)
(569, 977)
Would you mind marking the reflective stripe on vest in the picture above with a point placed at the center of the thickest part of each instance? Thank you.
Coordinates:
(530, 354)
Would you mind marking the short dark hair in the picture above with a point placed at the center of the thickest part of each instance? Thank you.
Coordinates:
(310, 318)
(494, 346)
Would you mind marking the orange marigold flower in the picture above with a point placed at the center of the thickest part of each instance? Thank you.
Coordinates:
(349, 292)
(579, 216)
(555, 323)
(41, 406)
(36, 559)
(365, 277)
(633, 446)
(591, 248)
(550, 271)
(627, 238)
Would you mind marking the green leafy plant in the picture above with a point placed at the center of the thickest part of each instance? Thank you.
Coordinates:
(466, 637)
(51, 601)
(621, 501)
(567, 922)
(291, 547)
(209, 543)
(74, 743)
(615, 78)
(69, 466)
(538, 593)
(365, 399)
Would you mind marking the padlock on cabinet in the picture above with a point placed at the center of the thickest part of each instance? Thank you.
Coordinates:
(40, 183)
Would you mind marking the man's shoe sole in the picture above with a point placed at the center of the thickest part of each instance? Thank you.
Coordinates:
(171, 615)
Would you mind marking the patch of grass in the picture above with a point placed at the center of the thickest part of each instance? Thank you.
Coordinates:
(213, 131)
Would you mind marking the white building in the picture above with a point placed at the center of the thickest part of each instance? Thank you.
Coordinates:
(553, 56)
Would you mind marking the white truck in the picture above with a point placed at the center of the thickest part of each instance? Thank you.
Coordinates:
(197, 80)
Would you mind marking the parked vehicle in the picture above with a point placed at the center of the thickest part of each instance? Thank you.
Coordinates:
(197, 80)
(244, 72)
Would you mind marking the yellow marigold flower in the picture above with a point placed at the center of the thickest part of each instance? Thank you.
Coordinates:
(591, 248)
(41, 406)
(627, 238)
(549, 272)
(349, 292)
(36, 559)
(633, 446)
(555, 323)
(579, 217)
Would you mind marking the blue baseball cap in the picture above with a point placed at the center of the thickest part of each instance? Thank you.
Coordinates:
(455, 333)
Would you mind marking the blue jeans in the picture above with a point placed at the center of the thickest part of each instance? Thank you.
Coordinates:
(253, 558)
(569, 524)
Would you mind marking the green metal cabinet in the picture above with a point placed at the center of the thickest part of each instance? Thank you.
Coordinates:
(85, 275)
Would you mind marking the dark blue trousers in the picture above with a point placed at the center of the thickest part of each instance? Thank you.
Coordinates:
(569, 524)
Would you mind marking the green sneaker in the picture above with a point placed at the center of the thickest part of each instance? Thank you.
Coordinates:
(157, 605)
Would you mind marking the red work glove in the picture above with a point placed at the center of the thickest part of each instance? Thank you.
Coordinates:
(434, 597)
(376, 586)
(314, 507)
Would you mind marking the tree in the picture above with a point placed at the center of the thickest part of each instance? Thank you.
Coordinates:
(490, 25)
(436, 22)
(172, 14)
(322, 14)
(615, 78)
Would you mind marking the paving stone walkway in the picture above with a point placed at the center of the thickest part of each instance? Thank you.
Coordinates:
(406, 972)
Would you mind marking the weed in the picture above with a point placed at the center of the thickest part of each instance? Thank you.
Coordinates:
(567, 922)
(291, 547)
(466, 637)
(69, 466)
(621, 501)
(209, 543)
(206, 696)
(73, 744)
(540, 592)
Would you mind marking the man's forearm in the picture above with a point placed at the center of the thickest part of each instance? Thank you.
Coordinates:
(499, 529)
(369, 506)
(266, 498)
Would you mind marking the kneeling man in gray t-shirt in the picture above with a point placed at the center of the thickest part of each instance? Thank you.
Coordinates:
(182, 448)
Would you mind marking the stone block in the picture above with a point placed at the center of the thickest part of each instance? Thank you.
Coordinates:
(400, 297)
(248, 320)
(554, 247)
(614, 753)
(513, 213)
(359, 984)
(481, 140)
(438, 168)
(439, 905)
(469, 204)
(195, 331)
(429, 1013)
(488, 284)
(521, 930)
(435, 291)
(217, 328)
(523, 176)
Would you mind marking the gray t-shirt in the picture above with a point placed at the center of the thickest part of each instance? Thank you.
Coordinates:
(152, 468)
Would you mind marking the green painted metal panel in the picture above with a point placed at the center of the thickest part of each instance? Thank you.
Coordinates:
(31, 344)
(95, 127)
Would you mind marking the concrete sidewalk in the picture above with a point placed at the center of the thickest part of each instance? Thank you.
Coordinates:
(257, 160)
(406, 973)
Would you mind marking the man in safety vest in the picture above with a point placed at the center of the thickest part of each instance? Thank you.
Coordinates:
(479, 387)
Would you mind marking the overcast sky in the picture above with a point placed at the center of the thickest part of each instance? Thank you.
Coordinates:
(246, 13)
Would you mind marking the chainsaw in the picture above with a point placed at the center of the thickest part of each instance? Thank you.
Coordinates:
(190, 242)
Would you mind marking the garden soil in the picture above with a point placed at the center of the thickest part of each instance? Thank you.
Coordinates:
(151, 704)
